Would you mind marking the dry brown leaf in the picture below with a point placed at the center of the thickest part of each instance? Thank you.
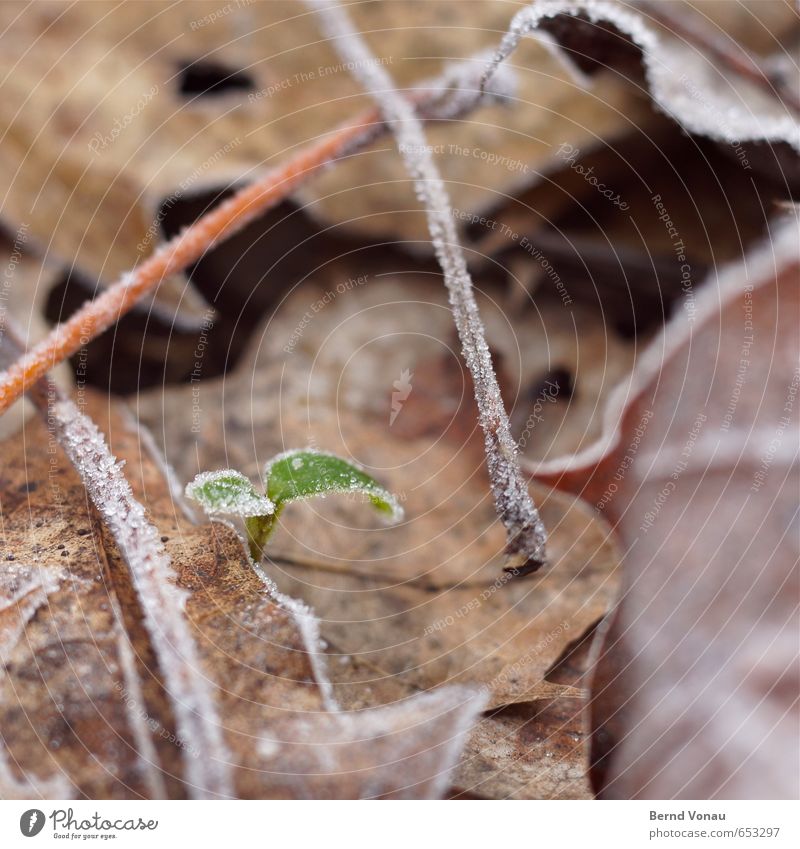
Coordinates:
(537, 750)
(686, 83)
(102, 136)
(698, 468)
(417, 606)
(484, 630)
(533, 751)
(426, 602)
(627, 225)
(602, 222)
(74, 698)
(68, 692)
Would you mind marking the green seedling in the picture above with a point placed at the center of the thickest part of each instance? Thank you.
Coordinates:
(292, 476)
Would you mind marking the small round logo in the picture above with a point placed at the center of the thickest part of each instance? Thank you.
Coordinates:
(31, 822)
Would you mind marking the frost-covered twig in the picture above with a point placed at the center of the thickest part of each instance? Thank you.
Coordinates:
(526, 533)
(207, 762)
(432, 100)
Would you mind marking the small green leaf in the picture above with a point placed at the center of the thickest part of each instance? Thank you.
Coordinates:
(304, 473)
(290, 476)
(228, 491)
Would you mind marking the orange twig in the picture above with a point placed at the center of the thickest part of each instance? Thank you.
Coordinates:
(187, 247)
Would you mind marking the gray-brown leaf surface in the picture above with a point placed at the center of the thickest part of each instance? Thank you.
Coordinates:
(694, 687)
(426, 601)
(698, 467)
(82, 699)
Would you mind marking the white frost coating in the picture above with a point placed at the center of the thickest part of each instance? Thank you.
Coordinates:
(146, 756)
(234, 494)
(272, 589)
(308, 626)
(683, 85)
(25, 588)
(525, 531)
(459, 85)
(207, 762)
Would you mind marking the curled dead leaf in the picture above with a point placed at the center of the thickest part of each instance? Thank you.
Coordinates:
(697, 468)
